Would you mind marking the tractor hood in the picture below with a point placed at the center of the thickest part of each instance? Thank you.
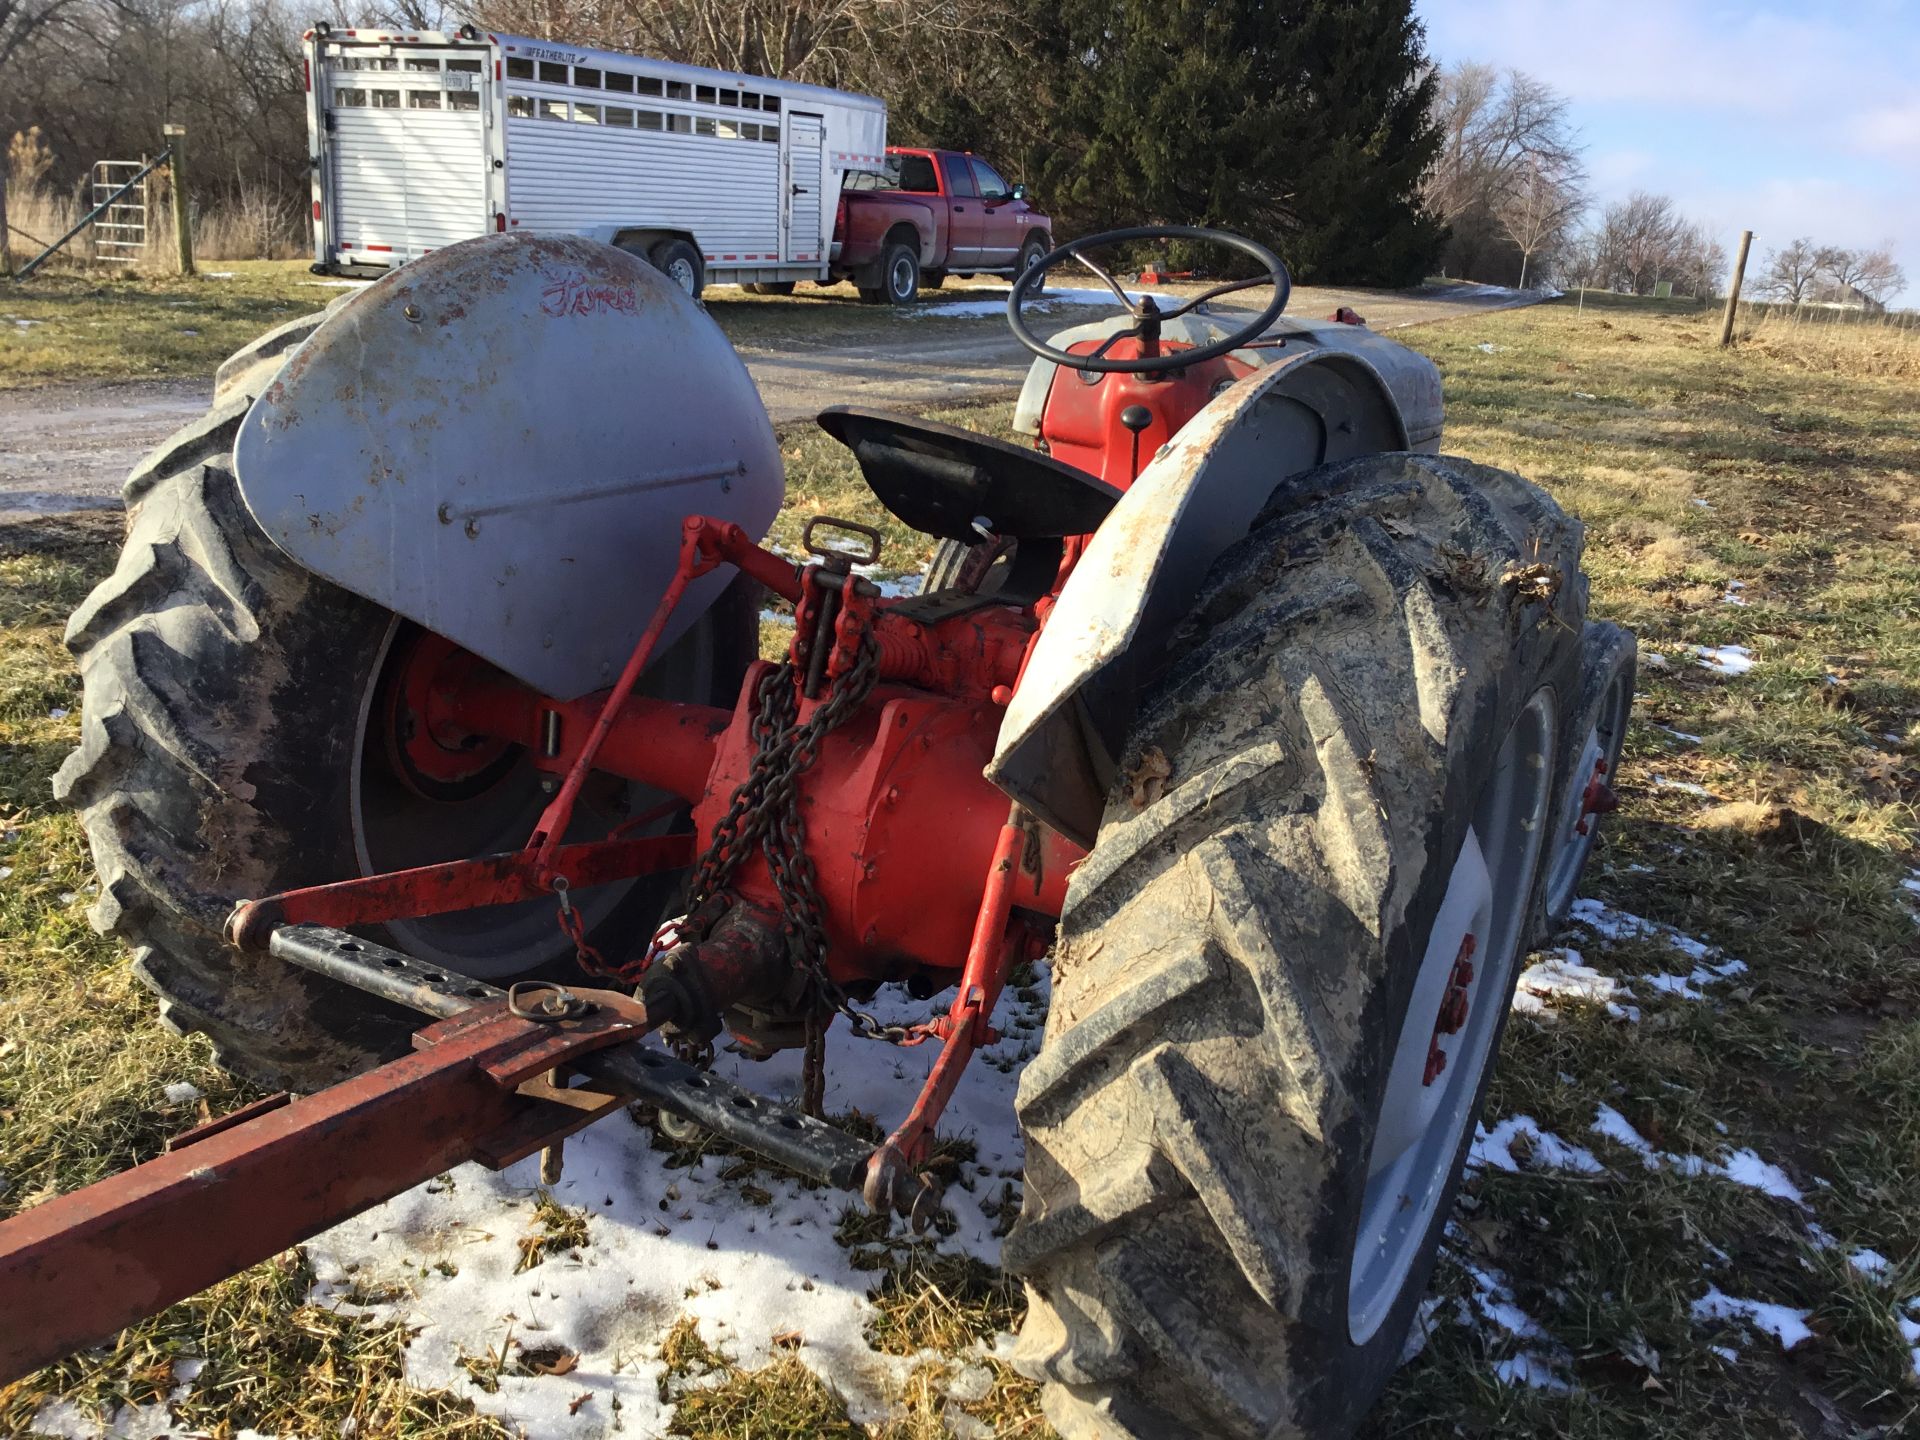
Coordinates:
(499, 442)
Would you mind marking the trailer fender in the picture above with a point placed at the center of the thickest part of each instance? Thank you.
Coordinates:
(1062, 732)
(499, 442)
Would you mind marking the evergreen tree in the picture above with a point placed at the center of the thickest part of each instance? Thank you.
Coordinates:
(1301, 123)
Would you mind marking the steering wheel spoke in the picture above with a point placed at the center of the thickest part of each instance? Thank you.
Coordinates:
(1147, 317)
(1112, 284)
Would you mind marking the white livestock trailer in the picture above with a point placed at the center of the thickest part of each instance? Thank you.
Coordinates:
(421, 140)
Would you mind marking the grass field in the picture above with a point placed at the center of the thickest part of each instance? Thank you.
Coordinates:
(1753, 1135)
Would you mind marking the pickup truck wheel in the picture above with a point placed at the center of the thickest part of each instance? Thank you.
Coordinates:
(1285, 966)
(680, 263)
(1030, 256)
(899, 275)
(234, 742)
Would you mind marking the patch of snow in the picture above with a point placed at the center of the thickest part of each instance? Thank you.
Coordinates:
(25, 324)
(1783, 1322)
(1654, 660)
(338, 284)
(1726, 1353)
(187, 332)
(1680, 734)
(1530, 1367)
(1870, 1263)
(891, 584)
(771, 616)
(1704, 505)
(153, 1421)
(57, 713)
(181, 1092)
(663, 1243)
(1561, 975)
(1733, 595)
(1685, 787)
(216, 274)
(1549, 1152)
(1910, 1332)
(1725, 659)
(6, 872)
(1617, 1128)
(1585, 395)
(962, 303)
(1742, 1167)
(1620, 925)
(1912, 883)
(1489, 347)
(1544, 1363)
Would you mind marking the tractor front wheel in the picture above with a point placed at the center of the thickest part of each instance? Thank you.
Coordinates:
(1286, 965)
(242, 733)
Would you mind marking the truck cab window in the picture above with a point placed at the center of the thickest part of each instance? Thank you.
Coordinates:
(916, 174)
(992, 186)
(960, 183)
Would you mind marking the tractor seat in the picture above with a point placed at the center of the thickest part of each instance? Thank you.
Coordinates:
(939, 479)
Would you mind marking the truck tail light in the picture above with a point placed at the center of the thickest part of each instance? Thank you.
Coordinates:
(316, 209)
(500, 221)
(306, 75)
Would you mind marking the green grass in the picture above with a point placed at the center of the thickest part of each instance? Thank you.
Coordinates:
(1807, 450)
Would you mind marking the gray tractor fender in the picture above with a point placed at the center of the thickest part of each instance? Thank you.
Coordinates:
(1060, 739)
(499, 442)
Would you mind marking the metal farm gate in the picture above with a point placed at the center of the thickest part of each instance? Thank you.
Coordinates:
(120, 232)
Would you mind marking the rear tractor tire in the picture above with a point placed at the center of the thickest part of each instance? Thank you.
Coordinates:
(1609, 662)
(234, 743)
(1286, 964)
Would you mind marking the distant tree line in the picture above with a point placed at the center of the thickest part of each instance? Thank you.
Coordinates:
(1803, 273)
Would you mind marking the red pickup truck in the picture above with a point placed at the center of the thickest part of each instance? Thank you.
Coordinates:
(931, 214)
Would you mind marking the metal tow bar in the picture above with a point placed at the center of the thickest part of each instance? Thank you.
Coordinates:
(487, 1082)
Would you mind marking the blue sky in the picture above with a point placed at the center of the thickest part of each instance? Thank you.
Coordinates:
(1784, 119)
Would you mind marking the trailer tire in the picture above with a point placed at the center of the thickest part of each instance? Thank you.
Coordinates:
(225, 694)
(771, 287)
(1249, 953)
(680, 263)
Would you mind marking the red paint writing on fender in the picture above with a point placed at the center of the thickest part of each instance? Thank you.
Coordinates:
(570, 294)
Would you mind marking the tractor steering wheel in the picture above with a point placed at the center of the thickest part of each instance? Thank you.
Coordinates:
(1147, 315)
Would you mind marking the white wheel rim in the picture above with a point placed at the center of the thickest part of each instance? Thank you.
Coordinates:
(902, 277)
(682, 273)
(1424, 1114)
(1598, 760)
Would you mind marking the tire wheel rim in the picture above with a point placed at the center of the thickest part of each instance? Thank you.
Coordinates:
(1468, 962)
(394, 828)
(1599, 759)
(902, 278)
(682, 272)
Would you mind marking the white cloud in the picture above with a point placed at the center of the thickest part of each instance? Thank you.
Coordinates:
(1891, 129)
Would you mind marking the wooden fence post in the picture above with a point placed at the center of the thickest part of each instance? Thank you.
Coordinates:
(1733, 294)
(182, 222)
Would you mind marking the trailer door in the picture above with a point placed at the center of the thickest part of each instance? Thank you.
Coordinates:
(806, 136)
(406, 149)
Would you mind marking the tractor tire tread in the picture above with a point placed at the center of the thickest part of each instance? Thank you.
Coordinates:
(1214, 984)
